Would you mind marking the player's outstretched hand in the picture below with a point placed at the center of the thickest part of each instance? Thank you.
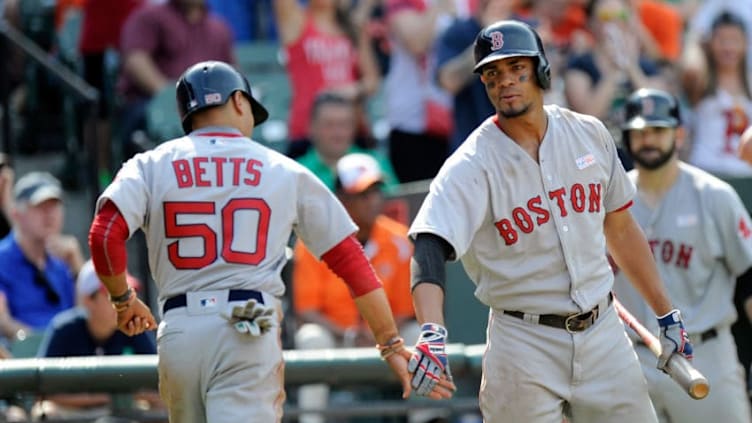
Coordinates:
(429, 364)
(674, 338)
(136, 318)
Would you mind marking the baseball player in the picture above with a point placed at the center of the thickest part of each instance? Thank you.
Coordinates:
(217, 210)
(528, 203)
(701, 236)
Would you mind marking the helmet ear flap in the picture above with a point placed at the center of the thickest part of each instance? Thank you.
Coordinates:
(543, 72)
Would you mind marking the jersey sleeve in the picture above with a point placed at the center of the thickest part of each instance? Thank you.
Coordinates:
(735, 229)
(322, 220)
(620, 190)
(130, 194)
(456, 204)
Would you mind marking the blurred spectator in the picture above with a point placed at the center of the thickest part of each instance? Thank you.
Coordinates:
(559, 22)
(101, 24)
(665, 24)
(325, 50)
(322, 301)
(36, 284)
(87, 330)
(249, 20)
(332, 133)
(158, 43)
(598, 81)
(716, 82)
(700, 22)
(6, 194)
(418, 111)
(455, 62)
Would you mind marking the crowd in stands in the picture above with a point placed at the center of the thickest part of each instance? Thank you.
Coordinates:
(412, 60)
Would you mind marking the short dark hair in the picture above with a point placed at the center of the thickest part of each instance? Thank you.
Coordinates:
(728, 18)
(328, 97)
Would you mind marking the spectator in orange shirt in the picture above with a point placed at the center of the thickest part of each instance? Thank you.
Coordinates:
(321, 300)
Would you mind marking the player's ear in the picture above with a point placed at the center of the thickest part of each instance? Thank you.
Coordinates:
(681, 136)
(237, 99)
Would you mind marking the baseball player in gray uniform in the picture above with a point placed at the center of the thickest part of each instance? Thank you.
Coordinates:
(529, 203)
(217, 210)
(701, 236)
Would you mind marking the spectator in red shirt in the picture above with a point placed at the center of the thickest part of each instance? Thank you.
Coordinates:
(158, 43)
(326, 51)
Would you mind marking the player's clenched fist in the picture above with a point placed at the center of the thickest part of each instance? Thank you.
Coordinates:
(133, 316)
(674, 338)
(429, 364)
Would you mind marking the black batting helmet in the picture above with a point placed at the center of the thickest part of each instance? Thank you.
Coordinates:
(209, 84)
(511, 38)
(650, 108)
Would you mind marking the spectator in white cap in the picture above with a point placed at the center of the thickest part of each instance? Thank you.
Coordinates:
(36, 283)
(321, 300)
(87, 330)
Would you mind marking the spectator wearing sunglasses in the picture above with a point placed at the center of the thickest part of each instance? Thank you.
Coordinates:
(35, 284)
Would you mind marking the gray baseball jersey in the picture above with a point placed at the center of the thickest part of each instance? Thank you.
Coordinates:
(701, 236)
(214, 203)
(530, 235)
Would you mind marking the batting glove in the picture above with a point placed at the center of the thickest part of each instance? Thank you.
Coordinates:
(429, 361)
(674, 338)
(253, 318)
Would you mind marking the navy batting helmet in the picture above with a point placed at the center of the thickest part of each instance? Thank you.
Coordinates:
(209, 84)
(511, 39)
(649, 107)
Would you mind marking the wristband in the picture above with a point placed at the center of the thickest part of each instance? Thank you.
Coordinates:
(122, 302)
(394, 345)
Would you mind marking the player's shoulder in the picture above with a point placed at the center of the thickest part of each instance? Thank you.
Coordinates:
(705, 181)
(564, 116)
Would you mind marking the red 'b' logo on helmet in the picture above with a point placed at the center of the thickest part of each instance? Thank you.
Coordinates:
(497, 40)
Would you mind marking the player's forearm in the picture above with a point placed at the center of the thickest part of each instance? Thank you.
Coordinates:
(374, 307)
(629, 249)
(428, 300)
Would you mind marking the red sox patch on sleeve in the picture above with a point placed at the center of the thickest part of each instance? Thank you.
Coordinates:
(744, 228)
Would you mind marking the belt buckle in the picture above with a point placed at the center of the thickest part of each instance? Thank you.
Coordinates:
(576, 323)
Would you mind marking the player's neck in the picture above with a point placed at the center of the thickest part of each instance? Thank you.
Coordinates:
(525, 129)
(653, 184)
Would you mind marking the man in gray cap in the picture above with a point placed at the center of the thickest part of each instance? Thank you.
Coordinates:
(35, 282)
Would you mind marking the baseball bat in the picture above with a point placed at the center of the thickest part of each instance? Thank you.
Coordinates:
(678, 367)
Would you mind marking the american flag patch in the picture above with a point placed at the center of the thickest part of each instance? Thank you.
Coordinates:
(213, 98)
(208, 302)
(585, 161)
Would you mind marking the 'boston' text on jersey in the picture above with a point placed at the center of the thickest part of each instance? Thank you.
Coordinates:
(524, 218)
(217, 171)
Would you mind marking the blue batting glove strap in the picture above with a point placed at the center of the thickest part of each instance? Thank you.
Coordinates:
(429, 361)
(673, 338)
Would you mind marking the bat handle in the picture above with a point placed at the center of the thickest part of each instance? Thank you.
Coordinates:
(693, 381)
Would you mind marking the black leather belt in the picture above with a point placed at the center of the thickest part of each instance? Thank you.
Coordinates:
(572, 323)
(235, 295)
(708, 335)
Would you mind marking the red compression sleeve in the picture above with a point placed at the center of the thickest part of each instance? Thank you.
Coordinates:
(107, 237)
(348, 261)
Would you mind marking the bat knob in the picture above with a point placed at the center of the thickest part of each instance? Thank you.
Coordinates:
(688, 377)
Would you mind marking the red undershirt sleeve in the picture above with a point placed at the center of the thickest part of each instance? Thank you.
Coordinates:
(107, 237)
(348, 261)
